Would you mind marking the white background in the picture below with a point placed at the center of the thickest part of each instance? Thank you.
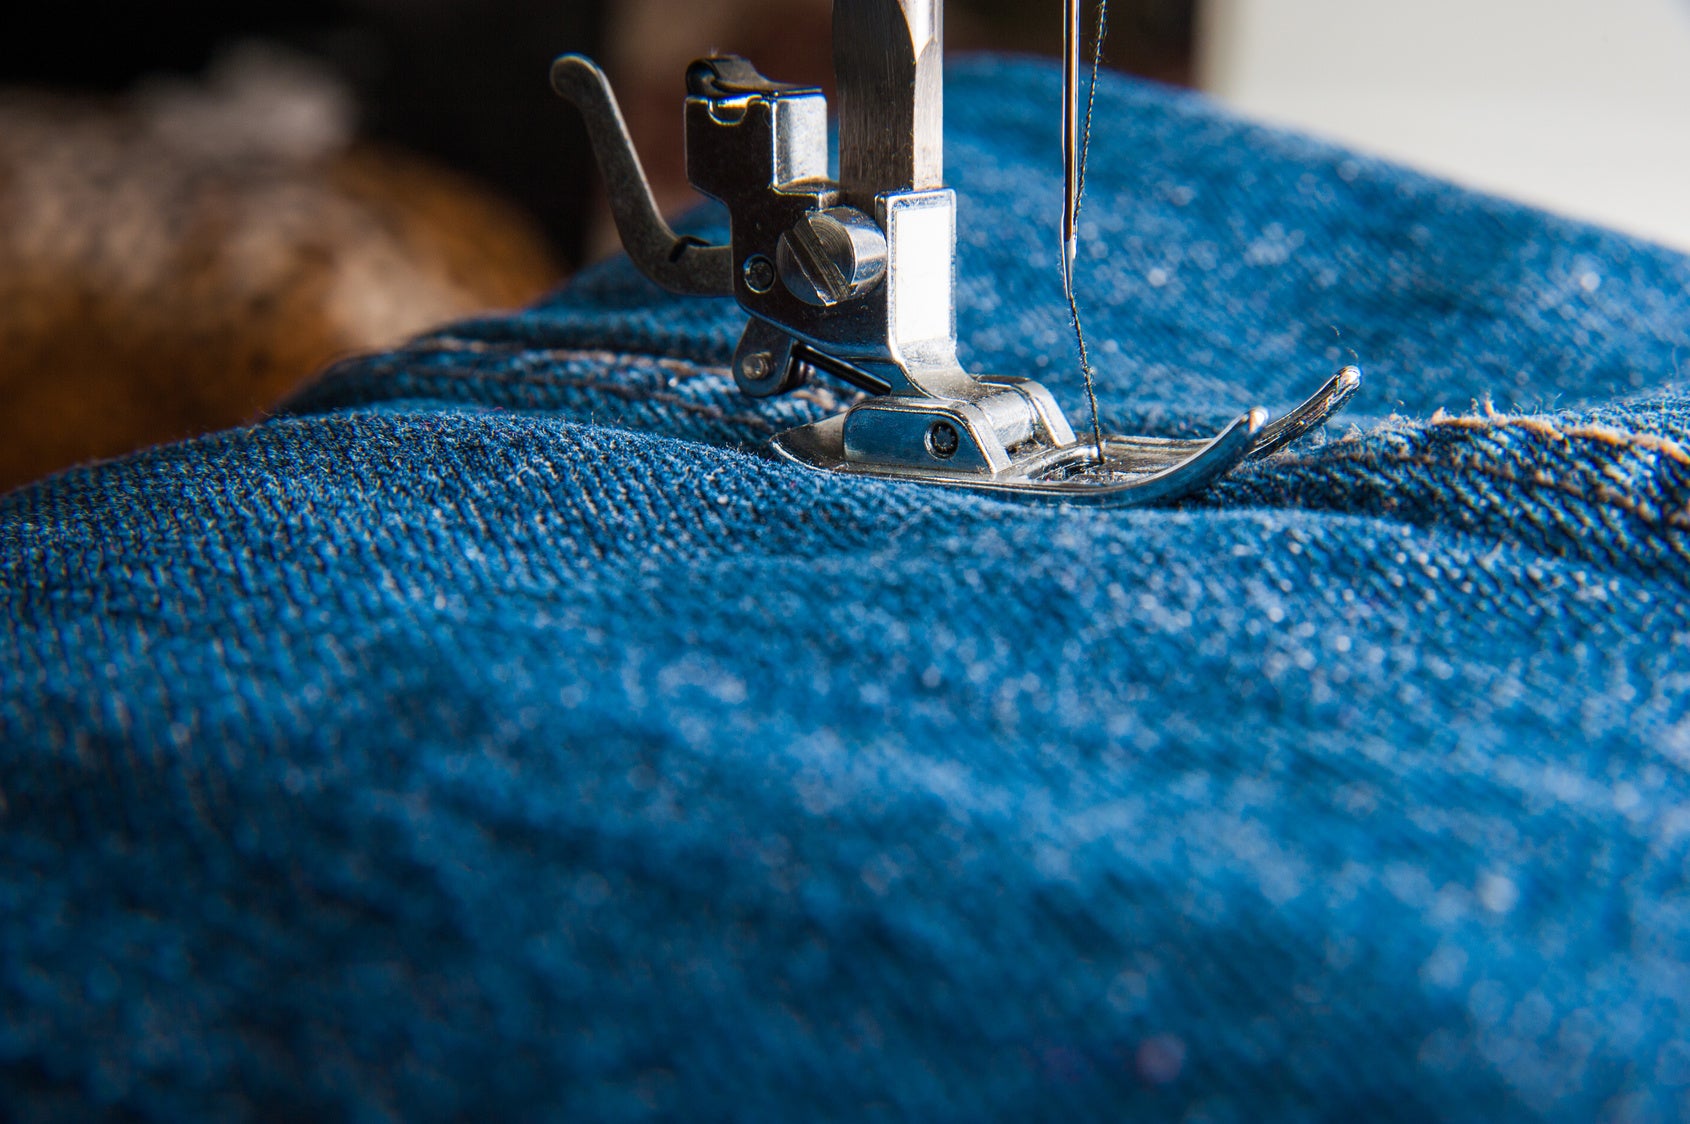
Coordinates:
(1581, 106)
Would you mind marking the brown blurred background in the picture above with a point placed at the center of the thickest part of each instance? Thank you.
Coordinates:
(202, 203)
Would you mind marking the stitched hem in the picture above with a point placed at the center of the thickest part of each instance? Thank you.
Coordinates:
(1330, 456)
(313, 396)
(1641, 510)
(1619, 438)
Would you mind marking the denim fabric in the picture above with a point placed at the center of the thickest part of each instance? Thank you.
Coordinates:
(499, 735)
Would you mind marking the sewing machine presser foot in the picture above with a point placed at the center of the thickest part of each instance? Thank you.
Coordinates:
(855, 277)
(1130, 471)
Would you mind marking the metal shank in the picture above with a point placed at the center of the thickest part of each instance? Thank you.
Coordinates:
(888, 60)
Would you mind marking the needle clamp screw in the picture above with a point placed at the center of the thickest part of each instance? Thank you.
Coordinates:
(832, 256)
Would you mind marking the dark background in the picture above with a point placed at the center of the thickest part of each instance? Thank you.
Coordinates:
(170, 266)
(463, 81)
(460, 80)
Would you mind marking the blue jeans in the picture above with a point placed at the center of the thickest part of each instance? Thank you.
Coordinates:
(499, 735)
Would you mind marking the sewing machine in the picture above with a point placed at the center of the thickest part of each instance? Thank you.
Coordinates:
(854, 277)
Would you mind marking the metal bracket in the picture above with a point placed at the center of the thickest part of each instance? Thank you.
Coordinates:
(856, 277)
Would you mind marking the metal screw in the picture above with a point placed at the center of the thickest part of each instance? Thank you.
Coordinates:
(942, 440)
(759, 274)
(832, 256)
(757, 366)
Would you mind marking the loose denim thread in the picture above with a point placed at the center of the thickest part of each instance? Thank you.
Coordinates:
(1641, 510)
(1604, 493)
(1546, 428)
(1629, 484)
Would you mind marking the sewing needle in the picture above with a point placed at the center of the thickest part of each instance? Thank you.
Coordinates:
(1070, 141)
(1074, 153)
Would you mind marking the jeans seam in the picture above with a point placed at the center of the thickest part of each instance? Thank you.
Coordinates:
(623, 391)
(683, 368)
(680, 367)
(819, 396)
(1619, 438)
(1641, 510)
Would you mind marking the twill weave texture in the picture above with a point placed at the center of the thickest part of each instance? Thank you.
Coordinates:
(499, 733)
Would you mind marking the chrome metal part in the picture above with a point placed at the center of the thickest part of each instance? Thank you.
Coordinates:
(888, 61)
(1072, 168)
(855, 278)
(765, 363)
(1133, 474)
(830, 257)
(680, 264)
(1313, 413)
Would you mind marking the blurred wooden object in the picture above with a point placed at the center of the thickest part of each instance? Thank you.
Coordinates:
(177, 261)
